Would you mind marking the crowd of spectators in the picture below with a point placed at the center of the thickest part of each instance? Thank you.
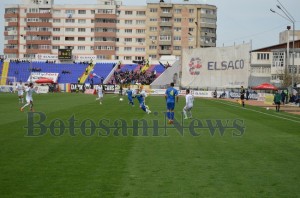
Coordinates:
(35, 69)
(132, 77)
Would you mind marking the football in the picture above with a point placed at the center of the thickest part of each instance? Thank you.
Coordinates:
(121, 99)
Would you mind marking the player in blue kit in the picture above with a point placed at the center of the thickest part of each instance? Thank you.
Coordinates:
(141, 98)
(129, 93)
(170, 95)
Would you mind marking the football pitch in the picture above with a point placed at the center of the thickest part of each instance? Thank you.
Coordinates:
(72, 146)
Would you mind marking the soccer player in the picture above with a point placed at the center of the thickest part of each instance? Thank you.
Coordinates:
(20, 89)
(29, 91)
(189, 101)
(99, 90)
(129, 96)
(243, 96)
(277, 100)
(170, 95)
(141, 98)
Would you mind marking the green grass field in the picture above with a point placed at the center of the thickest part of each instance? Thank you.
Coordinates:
(264, 161)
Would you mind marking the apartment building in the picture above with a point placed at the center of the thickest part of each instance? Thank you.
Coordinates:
(108, 30)
(174, 26)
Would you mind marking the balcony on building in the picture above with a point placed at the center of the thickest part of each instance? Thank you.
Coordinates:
(39, 24)
(40, 15)
(166, 33)
(165, 42)
(11, 15)
(166, 14)
(165, 5)
(105, 34)
(12, 24)
(38, 42)
(12, 42)
(208, 25)
(104, 52)
(106, 25)
(165, 52)
(38, 33)
(105, 16)
(165, 24)
(38, 51)
(11, 51)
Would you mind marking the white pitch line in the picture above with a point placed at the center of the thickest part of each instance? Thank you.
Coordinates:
(258, 112)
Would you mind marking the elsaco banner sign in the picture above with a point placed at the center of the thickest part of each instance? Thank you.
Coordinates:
(215, 67)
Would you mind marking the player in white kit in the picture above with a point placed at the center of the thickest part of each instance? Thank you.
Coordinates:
(99, 90)
(20, 89)
(29, 91)
(189, 102)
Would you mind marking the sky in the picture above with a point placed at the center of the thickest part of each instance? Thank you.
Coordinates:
(238, 21)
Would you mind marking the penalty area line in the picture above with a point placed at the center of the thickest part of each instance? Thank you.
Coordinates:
(281, 117)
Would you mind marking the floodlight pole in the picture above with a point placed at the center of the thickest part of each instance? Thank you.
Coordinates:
(290, 18)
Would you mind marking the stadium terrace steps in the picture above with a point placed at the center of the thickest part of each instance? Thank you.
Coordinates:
(4, 73)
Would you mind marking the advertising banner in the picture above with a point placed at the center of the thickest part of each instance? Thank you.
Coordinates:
(216, 67)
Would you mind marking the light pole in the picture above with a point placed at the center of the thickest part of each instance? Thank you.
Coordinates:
(290, 18)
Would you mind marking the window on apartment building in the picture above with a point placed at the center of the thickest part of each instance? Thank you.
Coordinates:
(70, 11)
(140, 22)
(166, 10)
(191, 29)
(153, 38)
(92, 21)
(56, 38)
(93, 11)
(81, 29)
(128, 30)
(91, 47)
(128, 12)
(56, 11)
(70, 29)
(191, 47)
(70, 20)
(191, 20)
(101, 57)
(153, 29)
(127, 48)
(81, 11)
(55, 47)
(177, 29)
(56, 20)
(152, 47)
(105, 11)
(140, 13)
(140, 31)
(92, 29)
(140, 49)
(208, 20)
(69, 38)
(177, 11)
(128, 22)
(81, 38)
(81, 47)
(81, 21)
(191, 10)
(152, 56)
(56, 29)
(45, 20)
(177, 20)
(165, 38)
(153, 9)
(33, 10)
(177, 38)
(127, 57)
(164, 19)
(140, 40)
(128, 39)
(153, 19)
(177, 47)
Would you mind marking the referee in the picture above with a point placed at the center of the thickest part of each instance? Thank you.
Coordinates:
(243, 96)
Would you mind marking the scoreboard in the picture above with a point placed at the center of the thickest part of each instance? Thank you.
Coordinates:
(64, 54)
